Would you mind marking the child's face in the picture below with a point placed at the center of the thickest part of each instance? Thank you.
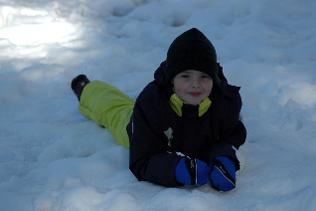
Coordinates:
(192, 86)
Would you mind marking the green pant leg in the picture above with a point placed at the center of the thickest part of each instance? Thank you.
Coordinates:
(109, 107)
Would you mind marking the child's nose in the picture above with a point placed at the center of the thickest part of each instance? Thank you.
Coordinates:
(195, 84)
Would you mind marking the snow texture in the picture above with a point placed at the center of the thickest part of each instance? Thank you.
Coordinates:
(52, 158)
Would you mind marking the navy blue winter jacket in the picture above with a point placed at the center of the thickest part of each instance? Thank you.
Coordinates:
(153, 155)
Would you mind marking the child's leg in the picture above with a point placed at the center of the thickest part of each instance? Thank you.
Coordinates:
(109, 107)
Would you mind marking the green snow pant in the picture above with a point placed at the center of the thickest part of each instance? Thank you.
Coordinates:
(108, 107)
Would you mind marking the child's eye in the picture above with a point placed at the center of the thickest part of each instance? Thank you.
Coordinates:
(184, 76)
(205, 76)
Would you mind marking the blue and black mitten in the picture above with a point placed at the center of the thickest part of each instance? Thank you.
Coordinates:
(192, 171)
(223, 174)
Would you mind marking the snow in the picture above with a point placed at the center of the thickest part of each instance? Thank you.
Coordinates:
(52, 158)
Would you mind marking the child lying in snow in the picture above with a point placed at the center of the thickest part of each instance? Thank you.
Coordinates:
(184, 127)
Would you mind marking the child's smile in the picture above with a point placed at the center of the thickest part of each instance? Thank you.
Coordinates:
(195, 94)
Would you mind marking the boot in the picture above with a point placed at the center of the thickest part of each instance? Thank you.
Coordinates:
(78, 83)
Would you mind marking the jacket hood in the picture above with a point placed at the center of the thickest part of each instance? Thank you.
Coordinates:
(191, 50)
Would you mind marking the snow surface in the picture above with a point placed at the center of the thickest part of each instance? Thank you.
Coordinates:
(52, 158)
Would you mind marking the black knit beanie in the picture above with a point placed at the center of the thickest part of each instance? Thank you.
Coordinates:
(191, 50)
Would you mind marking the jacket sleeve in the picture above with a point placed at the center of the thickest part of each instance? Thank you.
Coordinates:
(237, 136)
(232, 132)
(149, 156)
(229, 143)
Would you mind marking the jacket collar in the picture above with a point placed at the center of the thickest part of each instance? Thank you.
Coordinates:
(177, 104)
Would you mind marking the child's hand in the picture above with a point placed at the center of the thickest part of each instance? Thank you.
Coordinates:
(223, 174)
(192, 171)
